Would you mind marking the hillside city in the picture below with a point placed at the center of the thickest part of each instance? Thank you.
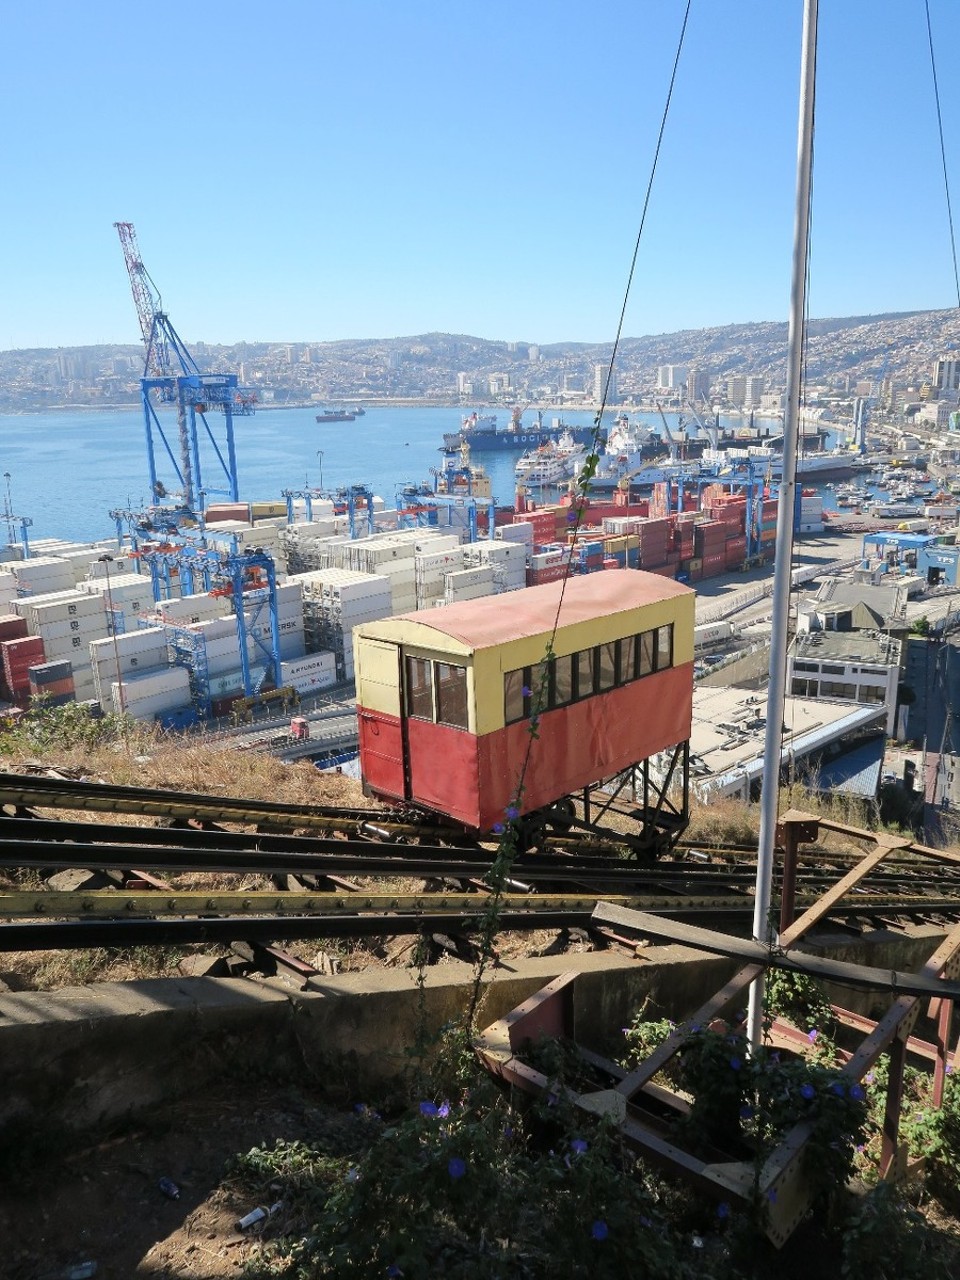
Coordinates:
(891, 357)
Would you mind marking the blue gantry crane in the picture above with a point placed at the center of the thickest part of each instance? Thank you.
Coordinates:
(171, 376)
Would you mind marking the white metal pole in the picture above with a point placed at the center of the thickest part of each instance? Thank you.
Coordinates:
(788, 487)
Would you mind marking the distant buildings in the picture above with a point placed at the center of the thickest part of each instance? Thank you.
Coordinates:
(671, 377)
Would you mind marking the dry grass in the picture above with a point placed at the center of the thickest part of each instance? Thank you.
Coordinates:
(195, 764)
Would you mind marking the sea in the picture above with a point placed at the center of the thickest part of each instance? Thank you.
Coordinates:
(66, 470)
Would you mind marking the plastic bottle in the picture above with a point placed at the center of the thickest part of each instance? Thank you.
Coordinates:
(259, 1215)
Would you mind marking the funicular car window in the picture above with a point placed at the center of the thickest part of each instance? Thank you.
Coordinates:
(665, 647)
(451, 695)
(419, 688)
(563, 680)
(585, 673)
(628, 659)
(648, 653)
(513, 686)
(607, 666)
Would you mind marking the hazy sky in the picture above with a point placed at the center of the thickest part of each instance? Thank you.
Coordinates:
(367, 168)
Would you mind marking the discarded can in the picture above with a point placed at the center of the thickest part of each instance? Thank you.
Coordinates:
(256, 1216)
(169, 1188)
(82, 1271)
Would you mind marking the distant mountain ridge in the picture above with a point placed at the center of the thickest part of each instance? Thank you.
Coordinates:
(840, 350)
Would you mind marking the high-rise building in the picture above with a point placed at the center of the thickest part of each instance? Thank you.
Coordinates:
(698, 386)
(671, 376)
(753, 389)
(947, 379)
(600, 384)
(737, 390)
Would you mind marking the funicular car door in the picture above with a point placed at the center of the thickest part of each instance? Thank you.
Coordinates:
(380, 719)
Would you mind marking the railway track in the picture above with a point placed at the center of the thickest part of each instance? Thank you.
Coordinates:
(555, 888)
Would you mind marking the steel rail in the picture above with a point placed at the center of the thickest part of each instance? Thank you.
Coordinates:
(103, 797)
(21, 904)
(101, 904)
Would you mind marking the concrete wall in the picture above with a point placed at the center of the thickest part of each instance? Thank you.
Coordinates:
(86, 1055)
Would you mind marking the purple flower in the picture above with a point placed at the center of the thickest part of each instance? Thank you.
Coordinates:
(735, 1064)
(723, 1209)
(525, 691)
(507, 1132)
(552, 1099)
(807, 1091)
(444, 1110)
(498, 828)
(599, 1230)
(428, 1108)
(571, 517)
(812, 1035)
(578, 1146)
(772, 1195)
(837, 1088)
(857, 1092)
(869, 1077)
(512, 813)
(456, 1167)
(746, 1111)
(949, 1069)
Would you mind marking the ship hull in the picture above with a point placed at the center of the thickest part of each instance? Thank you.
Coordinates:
(517, 441)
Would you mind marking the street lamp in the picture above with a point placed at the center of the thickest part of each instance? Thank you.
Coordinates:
(320, 456)
(107, 560)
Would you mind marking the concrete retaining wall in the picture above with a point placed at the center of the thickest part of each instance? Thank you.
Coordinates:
(84, 1056)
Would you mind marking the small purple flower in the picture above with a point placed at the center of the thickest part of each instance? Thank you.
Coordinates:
(578, 1146)
(571, 517)
(525, 691)
(949, 1068)
(498, 828)
(723, 1210)
(552, 1099)
(443, 1110)
(599, 1230)
(812, 1035)
(428, 1108)
(735, 1064)
(807, 1091)
(456, 1167)
(857, 1092)
(746, 1111)
(772, 1195)
(512, 813)
(869, 1077)
(352, 1175)
(508, 1131)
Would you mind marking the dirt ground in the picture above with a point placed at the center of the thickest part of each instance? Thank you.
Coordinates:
(103, 1204)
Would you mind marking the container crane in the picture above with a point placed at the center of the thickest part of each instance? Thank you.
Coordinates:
(171, 376)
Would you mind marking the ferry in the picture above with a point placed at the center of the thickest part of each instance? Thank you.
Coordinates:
(483, 434)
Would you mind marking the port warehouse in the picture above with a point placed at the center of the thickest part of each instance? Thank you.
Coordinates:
(445, 698)
(73, 626)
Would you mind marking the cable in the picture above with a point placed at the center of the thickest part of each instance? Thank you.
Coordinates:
(943, 152)
(592, 459)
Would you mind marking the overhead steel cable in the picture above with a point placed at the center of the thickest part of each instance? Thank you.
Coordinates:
(943, 151)
(590, 465)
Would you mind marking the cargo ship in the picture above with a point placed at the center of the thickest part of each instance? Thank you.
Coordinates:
(482, 433)
(340, 415)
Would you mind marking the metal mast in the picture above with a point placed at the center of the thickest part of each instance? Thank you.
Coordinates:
(171, 375)
(772, 748)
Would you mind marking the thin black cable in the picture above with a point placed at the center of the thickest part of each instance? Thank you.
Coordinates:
(589, 469)
(943, 152)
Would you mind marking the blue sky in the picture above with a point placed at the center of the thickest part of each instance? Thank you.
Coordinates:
(369, 168)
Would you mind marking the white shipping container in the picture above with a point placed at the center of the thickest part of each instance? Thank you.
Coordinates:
(74, 606)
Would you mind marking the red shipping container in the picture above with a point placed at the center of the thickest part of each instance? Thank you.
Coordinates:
(12, 627)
